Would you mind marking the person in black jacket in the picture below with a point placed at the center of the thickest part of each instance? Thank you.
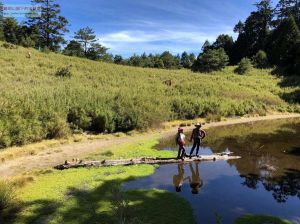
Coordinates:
(196, 137)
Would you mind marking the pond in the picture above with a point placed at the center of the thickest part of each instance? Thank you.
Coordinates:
(265, 181)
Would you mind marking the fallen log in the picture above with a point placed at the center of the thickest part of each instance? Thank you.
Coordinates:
(146, 160)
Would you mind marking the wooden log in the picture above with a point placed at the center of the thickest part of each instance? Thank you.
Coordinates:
(145, 160)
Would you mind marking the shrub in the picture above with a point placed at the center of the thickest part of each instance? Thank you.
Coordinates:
(64, 72)
(7, 195)
(79, 119)
(211, 60)
(260, 59)
(46, 50)
(244, 66)
(9, 46)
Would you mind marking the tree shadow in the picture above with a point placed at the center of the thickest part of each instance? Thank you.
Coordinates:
(144, 206)
(41, 210)
(94, 205)
(292, 97)
(290, 81)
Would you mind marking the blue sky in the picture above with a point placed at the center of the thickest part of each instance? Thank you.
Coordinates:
(136, 26)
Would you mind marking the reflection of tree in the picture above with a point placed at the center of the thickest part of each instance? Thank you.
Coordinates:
(281, 187)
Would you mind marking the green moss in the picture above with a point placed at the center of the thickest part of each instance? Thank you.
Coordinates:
(80, 196)
(260, 219)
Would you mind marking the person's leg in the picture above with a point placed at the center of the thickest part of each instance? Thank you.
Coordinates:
(198, 146)
(183, 152)
(193, 148)
(179, 152)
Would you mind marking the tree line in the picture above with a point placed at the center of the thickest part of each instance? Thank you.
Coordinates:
(269, 37)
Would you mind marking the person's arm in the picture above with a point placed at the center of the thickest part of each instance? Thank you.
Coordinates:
(203, 134)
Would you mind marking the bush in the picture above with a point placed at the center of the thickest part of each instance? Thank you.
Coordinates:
(244, 66)
(260, 59)
(64, 72)
(211, 60)
(9, 46)
(79, 119)
(7, 195)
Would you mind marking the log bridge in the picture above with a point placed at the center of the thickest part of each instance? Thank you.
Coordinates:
(146, 160)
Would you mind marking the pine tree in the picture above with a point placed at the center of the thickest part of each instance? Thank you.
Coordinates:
(50, 26)
(206, 46)
(226, 42)
(192, 58)
(85, 36)
(1, 22)
(211, 60)
(239, 27)
(118, 59)
(98, 52)
(73, 49)
(11, 30)
(283, 45)
(286, 9)
(254, 34)
(185, 60)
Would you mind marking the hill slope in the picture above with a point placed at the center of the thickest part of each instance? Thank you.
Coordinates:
(37, 104)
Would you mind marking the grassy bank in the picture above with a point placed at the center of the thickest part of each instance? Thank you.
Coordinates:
(54, 197)
(37, 103)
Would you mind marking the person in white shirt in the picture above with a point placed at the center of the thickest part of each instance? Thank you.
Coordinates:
(180, 141)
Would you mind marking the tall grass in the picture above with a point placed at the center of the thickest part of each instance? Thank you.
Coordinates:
(7, 195)
(36, 104)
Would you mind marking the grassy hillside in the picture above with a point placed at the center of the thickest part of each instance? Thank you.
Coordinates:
(36, 104)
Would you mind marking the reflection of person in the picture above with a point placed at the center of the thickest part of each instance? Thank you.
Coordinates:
(180, 141)
(195, 182)
(178, 179)
(197, 136)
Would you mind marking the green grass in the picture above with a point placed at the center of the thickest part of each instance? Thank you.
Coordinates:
(85, 196)
(35, 103)
(260, 219)
(138, 149)
(80, 196)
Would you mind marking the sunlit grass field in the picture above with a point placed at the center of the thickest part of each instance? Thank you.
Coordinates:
(36, 104)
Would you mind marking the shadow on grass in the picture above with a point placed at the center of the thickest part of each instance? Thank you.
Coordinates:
(41, 209)
(292, 97)
(95, 206)
(291, 81)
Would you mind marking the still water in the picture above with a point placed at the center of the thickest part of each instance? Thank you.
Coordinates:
(265, 181)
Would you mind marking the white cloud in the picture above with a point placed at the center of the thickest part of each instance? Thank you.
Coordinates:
(138, 41)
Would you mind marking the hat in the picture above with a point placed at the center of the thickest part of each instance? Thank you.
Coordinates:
(198, 125)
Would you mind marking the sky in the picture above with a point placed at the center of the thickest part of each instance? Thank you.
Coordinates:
(130, 27)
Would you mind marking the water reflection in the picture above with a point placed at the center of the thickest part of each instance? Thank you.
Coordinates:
(178, 178)
(281, 187)
(194, 180)
(265, 181)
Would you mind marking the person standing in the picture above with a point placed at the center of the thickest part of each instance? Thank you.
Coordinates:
(197, 136)
(180, 141)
